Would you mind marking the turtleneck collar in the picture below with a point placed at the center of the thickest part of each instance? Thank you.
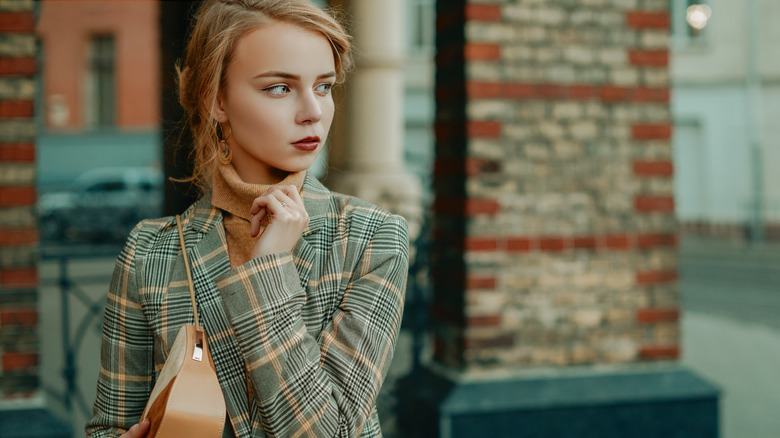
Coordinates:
(233, 195)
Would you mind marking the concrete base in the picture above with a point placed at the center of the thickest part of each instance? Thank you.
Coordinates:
(32, 423)
(660, 402)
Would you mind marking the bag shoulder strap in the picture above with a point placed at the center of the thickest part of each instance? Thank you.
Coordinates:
(189, 275)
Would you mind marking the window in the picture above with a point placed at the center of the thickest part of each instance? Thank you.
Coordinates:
(101, 83)
(422, 26)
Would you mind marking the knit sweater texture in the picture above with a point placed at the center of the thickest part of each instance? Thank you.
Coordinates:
(234, 197)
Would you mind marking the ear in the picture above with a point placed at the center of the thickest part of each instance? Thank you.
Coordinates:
(218, 110)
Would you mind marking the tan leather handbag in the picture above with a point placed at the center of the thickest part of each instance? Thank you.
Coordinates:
(186, 400)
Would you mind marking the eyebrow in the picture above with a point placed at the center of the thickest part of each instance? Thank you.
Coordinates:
(285, 75)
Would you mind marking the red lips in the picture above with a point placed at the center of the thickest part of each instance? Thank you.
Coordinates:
(307, 144)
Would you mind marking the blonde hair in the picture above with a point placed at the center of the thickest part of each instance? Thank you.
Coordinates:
(219, 24)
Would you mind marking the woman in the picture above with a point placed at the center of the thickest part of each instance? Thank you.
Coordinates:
(299, 289)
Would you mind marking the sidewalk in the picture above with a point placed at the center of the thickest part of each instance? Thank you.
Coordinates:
(744, 361)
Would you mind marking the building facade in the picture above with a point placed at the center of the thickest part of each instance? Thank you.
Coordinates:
(726, 101)
(99, 88)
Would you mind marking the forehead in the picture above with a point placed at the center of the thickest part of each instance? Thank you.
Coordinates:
(282, 47)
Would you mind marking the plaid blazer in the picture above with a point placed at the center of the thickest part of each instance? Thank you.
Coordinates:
(312, 331)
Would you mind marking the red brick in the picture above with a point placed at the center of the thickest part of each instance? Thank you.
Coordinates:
(655, 240)
(520, 91)
(478, 166)
(653, 168)
(552, 244)
(476, 206)
(18, 236)
(484, 321)
(647, 20)
(17, 196)
(483, 129)
(483, 12)
(20, 152)
(19, 277)
(17, 22)
(19, 361)
(657, 315)
(17, 66)
(484, 90)
(518, 244)
(651, 58)
(618, 241)
(550, 91)
(585, 242)
(482, 52)
(481, 282)
(467, 207)
(481, 244)
(16, 108)
(659, 352)
(654, 204)
(613, 94)
(655, 277)
(651, 132)
(19, 317)
(470, 167)
(581, 92)
(647, 94)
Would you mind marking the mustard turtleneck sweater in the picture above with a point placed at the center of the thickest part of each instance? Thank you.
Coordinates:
(234, 197)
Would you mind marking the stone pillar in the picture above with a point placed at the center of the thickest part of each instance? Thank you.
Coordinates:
(555, 309)
(367, 156)
(22, 412)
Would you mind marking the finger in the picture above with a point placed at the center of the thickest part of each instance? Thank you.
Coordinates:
(283, 205)
(293, 193)
(256, 221)
(286, 194)
(139, 430)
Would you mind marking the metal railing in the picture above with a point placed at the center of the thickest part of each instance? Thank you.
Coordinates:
(69, 287)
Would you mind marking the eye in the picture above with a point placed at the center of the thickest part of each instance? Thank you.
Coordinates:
(277, 90)
(324, 88)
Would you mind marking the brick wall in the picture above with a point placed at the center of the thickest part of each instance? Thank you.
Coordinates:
(555, 238)
(18, 231)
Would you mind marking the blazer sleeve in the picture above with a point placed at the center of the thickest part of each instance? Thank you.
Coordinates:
(126, 355)
(323, 386)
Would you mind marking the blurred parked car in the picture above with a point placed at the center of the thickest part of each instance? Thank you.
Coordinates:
(102, 205)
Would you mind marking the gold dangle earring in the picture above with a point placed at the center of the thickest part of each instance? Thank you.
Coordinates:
(225, 153)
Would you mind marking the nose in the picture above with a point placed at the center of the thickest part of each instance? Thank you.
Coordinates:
(310, 110)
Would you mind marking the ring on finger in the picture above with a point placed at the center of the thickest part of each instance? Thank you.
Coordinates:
(284, 204)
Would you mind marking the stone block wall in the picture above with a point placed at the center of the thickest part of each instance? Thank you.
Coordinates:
(18, 231)
(555, 237)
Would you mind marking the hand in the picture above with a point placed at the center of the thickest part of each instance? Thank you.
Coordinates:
(288, 220)
(138, 431)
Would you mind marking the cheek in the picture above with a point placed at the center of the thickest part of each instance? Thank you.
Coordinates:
(328, 110)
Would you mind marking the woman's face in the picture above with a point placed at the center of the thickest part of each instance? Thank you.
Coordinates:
(276, 107)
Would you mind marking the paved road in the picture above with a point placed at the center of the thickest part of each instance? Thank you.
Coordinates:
(730, 293)
(732, 280)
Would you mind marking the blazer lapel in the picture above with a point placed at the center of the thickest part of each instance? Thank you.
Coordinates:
(207, 249)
